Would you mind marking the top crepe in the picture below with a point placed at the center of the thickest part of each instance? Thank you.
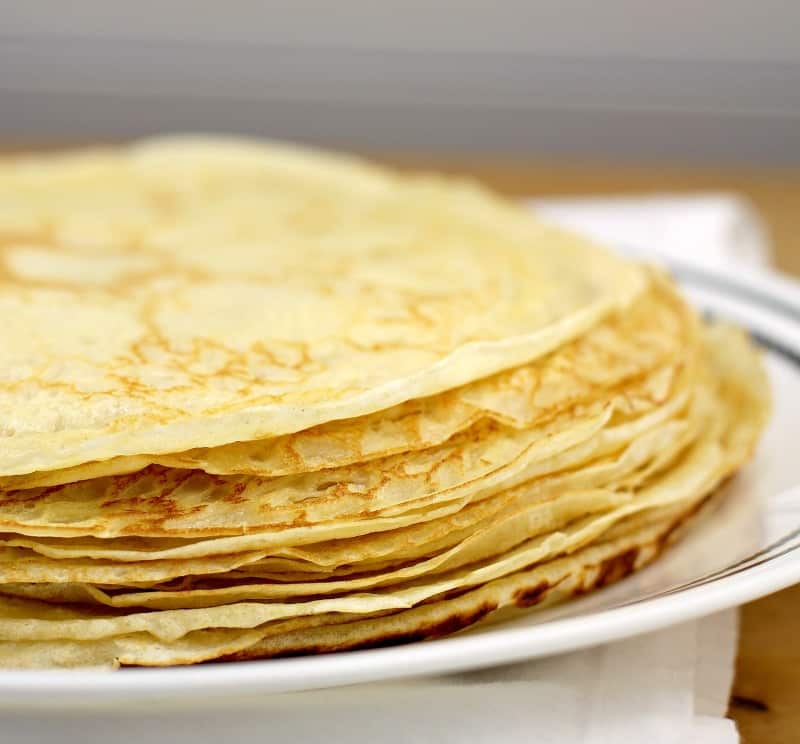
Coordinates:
(191, 293)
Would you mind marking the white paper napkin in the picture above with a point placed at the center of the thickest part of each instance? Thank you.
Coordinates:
(712, 230)
(667, 687)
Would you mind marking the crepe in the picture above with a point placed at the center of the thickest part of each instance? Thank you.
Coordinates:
(190, 293)
(299, 404)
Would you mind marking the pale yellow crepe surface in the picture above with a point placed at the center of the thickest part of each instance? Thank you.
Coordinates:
(191, 293)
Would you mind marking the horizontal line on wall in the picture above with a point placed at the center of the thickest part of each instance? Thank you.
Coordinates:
(515, 81)
(704, 136)
(629, 28)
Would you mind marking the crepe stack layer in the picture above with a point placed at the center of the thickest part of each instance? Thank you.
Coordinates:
(260, 401)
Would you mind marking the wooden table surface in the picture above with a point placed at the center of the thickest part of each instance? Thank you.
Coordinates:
(766, 697)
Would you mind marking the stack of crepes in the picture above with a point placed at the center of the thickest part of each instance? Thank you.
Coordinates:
(261, 401)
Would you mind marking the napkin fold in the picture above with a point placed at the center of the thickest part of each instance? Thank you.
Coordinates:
(666, 687)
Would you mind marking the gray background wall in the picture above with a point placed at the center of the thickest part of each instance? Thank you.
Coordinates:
(714, 80)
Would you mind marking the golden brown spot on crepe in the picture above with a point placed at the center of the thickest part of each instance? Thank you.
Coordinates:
(530, 596)
(433, 630)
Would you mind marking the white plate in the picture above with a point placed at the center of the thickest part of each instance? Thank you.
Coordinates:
(748, 547)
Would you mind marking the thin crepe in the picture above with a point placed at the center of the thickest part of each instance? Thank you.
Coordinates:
(192, 293)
